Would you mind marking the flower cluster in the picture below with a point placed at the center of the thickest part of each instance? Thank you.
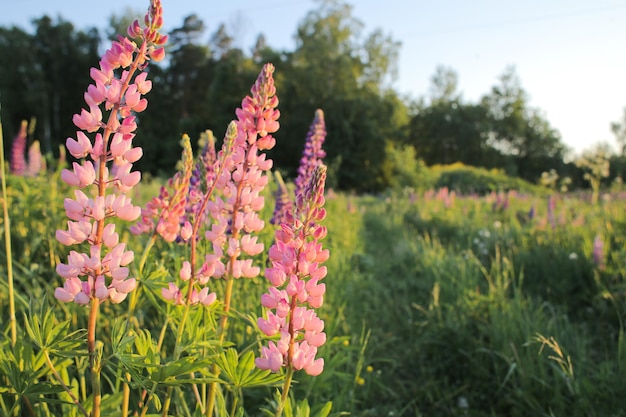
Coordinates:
(234, 180)
(18, 160)
(202, 176)
(106, 163)
(295, 276)
(165, 214)
(313, 152)
(311, 157)
(239, 175)
(190, 210)
(283, 210)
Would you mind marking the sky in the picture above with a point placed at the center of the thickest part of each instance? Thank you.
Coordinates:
(570, 55)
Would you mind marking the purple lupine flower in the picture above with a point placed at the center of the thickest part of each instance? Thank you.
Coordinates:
(18, 151)
(313, 152)
(283, 209)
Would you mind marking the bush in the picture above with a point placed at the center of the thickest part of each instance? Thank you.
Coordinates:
(471, 180)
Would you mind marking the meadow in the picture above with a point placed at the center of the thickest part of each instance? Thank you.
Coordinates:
(437, 304)
(224, 291)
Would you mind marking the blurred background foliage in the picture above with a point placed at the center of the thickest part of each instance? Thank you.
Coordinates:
(336, 65)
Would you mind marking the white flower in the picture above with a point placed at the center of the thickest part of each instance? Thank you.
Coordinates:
(573, 256)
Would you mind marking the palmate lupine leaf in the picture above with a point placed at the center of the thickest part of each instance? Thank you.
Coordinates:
(301, 409)
(179, 372)
(240, 372)
(51, 336)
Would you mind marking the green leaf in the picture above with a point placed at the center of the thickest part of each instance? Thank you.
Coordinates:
(325, 410)
(303, 409)
(242, 373)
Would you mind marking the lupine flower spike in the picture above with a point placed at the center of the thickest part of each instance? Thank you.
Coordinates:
(240, 177)
(18, 159)
(313, 152)
(283, 210)
(36, 162)
(104, 145)
(165, 213)
(295, 290)
(311, 157)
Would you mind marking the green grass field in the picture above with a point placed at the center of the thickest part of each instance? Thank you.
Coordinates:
(436, 305)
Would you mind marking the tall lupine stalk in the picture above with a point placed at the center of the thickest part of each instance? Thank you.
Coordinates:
(295, 291)
(107, 158)
(283, 210)
(240, 177)
(36, 162)
(313, 152)
(311, 157)
(18, 151)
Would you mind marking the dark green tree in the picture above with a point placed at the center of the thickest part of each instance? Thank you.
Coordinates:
(520, 132)
(334, 69)
(179, 104)
(449, 130)
(47, 77)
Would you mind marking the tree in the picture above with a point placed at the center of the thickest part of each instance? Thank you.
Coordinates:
(619, 130)
(118, 23)
(221, 41)
(444, 85)
(449, 130)
(182, 99)
(520, 132)
(334, 69)
(47, 78)
(595, 163)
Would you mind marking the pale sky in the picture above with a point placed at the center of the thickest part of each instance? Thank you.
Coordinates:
(569, 54)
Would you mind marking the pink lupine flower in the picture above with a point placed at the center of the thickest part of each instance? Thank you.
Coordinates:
(164, 214)
(598, 252)
(240, 178)
(106, 165)
(296, 291)
(17, 164)
(36, 162)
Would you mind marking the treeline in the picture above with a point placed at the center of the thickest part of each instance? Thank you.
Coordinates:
(334, 66)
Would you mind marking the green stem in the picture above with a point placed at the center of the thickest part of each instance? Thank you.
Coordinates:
(65, 387)
(222, 332)
(7, 242)
(285, 394)
(178, 347)
(233, 408)
(132, 304)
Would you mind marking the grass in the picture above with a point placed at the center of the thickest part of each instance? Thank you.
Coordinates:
(434, 306)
